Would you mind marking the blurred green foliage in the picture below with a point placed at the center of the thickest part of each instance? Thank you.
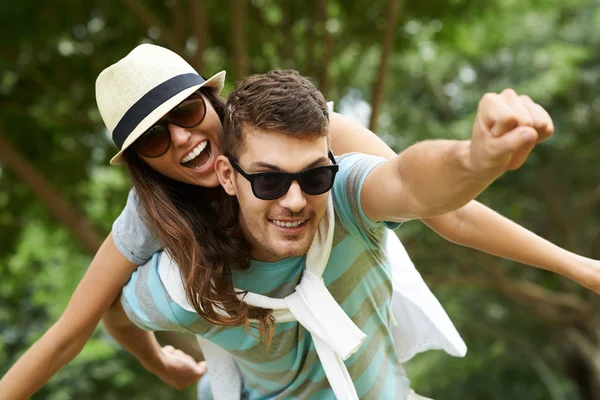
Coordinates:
(446, 55)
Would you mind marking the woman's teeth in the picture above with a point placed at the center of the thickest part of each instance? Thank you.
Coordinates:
(194, 153)
(284, 224)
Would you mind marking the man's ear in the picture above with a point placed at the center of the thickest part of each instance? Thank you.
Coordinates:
(225, 172)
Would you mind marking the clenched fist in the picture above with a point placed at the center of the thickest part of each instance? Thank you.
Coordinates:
(507, 127)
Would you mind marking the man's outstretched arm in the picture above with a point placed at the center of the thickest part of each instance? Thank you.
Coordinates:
(435, 177)
(476, 225)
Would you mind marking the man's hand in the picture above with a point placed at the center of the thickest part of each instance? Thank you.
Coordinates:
(507, 127)
(178, 369)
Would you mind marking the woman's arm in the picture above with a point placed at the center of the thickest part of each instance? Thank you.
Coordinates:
(475, 225)
(171, 365)
(479, 227)
(101, 284)
(348, 136)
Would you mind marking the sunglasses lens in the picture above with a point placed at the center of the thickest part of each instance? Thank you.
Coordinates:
(189, 113)
(317, 180)
(154, 143)
(268, 186)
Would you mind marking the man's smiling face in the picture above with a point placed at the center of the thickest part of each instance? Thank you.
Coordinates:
(283, 227)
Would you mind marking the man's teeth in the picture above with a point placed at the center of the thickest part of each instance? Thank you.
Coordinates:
(195, 153)
(284, 224)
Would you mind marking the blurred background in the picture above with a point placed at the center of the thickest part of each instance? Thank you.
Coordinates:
(409, 70)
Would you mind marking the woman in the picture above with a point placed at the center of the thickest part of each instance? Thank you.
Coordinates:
(170, 164)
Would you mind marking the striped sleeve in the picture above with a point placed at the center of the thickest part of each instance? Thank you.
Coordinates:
(354, 169)
(149, 306)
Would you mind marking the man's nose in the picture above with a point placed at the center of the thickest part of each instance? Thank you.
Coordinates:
(294, 200)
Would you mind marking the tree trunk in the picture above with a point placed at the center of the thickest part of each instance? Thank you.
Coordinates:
(327, 40)
(179, 21)
(584, 361)
(240, 51)
(311, 48)
(393, 11)
(200, 31)
(81, 229)
(285, 49)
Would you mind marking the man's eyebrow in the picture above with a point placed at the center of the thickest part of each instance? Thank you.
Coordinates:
(264, 165)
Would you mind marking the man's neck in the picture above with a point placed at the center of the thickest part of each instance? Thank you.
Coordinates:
(261, 255)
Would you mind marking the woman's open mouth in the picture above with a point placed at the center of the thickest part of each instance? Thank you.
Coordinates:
(199, 157)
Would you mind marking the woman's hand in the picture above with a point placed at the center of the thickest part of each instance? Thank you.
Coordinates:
(589, 277)
(179, 369)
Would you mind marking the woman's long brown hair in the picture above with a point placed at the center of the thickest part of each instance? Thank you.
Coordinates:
(199, 228)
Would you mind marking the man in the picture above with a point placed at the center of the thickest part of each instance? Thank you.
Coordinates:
(280, 170)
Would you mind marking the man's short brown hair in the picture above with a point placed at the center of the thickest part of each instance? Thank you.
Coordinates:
(280, 101)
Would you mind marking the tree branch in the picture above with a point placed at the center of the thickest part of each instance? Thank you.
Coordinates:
(238, 24)
(309, 68)
(79, 226)
(389, 39)
(561, 307)
(322, 17)
(200, 32)
(144, 15)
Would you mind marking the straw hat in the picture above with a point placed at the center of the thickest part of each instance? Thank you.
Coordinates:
(137, 91)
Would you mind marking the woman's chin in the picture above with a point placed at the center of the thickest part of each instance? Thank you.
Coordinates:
(211, 182)
(207, 180)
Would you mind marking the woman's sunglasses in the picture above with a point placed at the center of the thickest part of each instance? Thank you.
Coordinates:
(273, 185)
(156, 141)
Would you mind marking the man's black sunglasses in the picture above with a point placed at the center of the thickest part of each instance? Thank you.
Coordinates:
(274, 184)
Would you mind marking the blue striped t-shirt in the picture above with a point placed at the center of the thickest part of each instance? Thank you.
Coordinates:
(358, 277)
